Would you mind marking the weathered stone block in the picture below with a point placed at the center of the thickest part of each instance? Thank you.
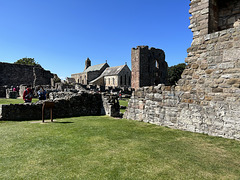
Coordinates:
(233, 81)
(217, 90)
(194, 66)
(203, 66)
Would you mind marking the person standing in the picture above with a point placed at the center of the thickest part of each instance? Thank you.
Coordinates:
(27, 95)
(42, 94)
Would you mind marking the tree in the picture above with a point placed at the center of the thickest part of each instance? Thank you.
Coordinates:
(27, 61)
(175, 72)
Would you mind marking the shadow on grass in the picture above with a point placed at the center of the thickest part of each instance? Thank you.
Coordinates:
(49, 122)
(63, 122)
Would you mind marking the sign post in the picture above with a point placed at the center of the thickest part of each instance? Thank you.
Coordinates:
(48, 105)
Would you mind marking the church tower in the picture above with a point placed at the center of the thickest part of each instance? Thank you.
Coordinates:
(87, 63)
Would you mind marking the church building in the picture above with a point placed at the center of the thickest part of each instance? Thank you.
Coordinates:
(103, 75)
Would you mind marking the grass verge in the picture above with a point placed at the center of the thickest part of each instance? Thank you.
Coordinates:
(14, 101)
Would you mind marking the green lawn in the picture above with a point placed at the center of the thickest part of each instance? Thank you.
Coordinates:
(14, 101)
(123, 102)
(101, 147)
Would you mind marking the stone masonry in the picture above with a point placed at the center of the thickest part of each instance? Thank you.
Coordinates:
(17, 74)
(207, 97)
(72, 105)
(148, 67)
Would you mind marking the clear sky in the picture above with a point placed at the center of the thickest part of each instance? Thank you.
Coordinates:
(61, 34)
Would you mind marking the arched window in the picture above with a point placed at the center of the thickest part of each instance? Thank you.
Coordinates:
(121, 81)
(113, 81)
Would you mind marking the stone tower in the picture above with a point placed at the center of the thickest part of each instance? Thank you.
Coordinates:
(87, 63)
(148, 67)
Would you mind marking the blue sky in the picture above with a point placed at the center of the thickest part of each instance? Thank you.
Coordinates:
(61, 34)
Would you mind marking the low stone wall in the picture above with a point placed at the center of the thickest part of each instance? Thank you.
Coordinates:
(84, 104)
(111, 105)
(64, 95)
(163, 105)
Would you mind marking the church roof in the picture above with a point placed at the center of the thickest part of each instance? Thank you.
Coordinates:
(97, 67)
(112, 70)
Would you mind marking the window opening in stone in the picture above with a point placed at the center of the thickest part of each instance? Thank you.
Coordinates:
(156, 64)
(223, 14)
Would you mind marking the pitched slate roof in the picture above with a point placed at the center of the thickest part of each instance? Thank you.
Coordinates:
(97, 67)
(112, 70)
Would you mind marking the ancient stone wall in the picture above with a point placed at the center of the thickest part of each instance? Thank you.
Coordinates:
(155, 104)
(111, 105)
(148, 67)
(207, 97)
(16, 74)
(72, 105)
(213, 71)
(166, 106)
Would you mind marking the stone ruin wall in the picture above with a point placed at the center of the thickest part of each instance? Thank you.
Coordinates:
(148, 67)
(17, 74)
(207, 97)
(165, 106)
(70, 105)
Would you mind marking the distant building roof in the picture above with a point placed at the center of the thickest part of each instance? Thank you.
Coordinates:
(112, 70)
(97, 67)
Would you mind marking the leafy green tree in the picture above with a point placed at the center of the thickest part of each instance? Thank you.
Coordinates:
(27, 61)
(175, 72)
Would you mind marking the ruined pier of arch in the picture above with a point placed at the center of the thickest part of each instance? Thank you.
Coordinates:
(207, 97)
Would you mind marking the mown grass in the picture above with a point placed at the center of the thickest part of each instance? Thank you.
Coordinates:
(123, 102)
(101, 147)
(14, 101)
